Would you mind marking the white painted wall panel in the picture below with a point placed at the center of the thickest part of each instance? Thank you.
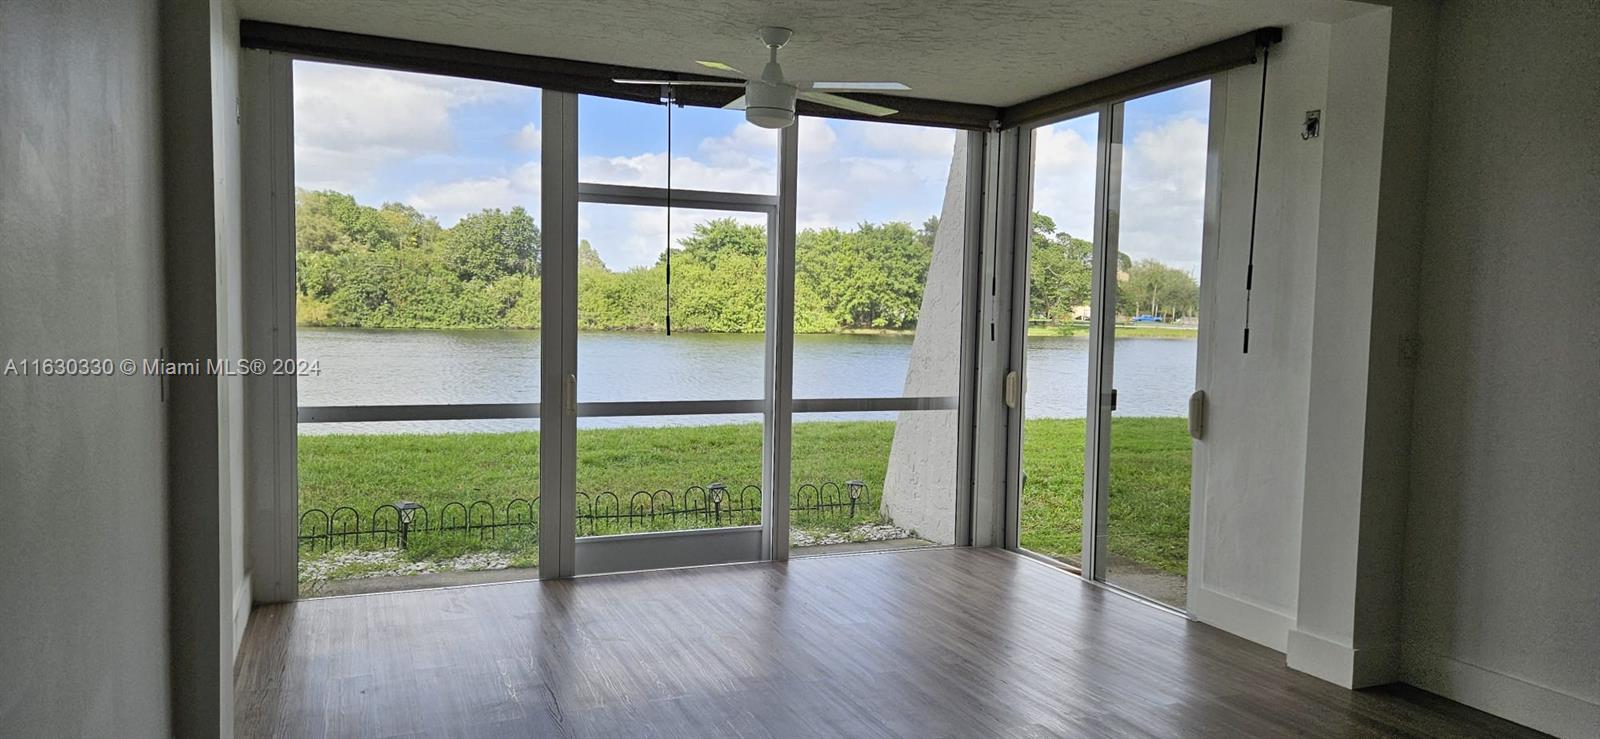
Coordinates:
(1502, 592)
(1247, 577)
(83, 597)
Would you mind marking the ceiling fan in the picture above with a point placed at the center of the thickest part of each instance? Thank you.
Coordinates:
(768, 100)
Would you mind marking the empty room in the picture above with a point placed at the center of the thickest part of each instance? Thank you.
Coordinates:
(1165, 368)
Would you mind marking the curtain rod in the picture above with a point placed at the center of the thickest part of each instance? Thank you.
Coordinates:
(1239, 51)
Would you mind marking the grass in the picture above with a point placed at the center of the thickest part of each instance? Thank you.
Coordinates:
(368, 471)
(1124, 331)
(1149, 505)
(1148, 515)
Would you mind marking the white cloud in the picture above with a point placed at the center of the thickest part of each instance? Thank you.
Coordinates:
(849, 172)
(864, 171)
(1163, 193)
(630, 236)
(921, 142)
(1163, 187)
(732, 174)
(1063, 178)
(817, 137)
(635, 236)
(451, 200)
(350, 121)
(529, 139)
(745, 140)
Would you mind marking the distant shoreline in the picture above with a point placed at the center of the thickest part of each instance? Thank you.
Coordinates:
(1123, 330)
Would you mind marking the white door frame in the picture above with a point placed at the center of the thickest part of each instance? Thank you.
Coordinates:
(1101, 393)
(563, 193)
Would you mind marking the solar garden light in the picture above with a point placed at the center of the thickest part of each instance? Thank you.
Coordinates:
(719, 492)
(856, 488)
(408, 514)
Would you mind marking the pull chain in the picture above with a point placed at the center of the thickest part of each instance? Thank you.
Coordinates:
(666, 93)
(1255, 199)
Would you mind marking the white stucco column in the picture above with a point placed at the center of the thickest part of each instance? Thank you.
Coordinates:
(919, 490)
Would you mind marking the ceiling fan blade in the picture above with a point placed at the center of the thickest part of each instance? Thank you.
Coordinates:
(863, 86)
(718, 65)
(680, 83)
(839, 101)
(735, 104)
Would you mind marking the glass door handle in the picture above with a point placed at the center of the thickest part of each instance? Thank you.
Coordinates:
(1108, 400)
(1197, 414)
(570, 394)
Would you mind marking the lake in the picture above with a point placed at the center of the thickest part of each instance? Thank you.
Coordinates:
(390, 367)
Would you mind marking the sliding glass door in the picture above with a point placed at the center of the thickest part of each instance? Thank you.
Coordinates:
(669, 395)
(1113, 331)
(669, 425)
(1150, 356)
(1057, 339)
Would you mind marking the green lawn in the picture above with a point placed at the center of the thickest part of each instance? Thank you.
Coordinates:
(1148, 517)
(1124, 330)
(1149, 509)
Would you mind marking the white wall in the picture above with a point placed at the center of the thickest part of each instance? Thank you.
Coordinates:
(225, 143)
(1502, 602)
(1446, 531)
(267, 251)
(1244, 573)
(201, 180)
(83, 596)
(1374, 174)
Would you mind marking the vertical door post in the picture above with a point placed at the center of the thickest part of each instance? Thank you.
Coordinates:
(558, 337)
(779, 380)
(1103, 302)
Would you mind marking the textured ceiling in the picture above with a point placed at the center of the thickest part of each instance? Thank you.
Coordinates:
(972, 51)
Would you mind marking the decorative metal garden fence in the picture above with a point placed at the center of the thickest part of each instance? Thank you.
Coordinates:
(715, 505)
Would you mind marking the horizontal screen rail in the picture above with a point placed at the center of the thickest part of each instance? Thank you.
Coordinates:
(494, 411)
(440, 412)
(591, 192)
(848, 405)
(670, 408)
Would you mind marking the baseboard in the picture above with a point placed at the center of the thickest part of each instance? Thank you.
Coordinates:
(1543, 708)
(1342, 664)
(1240, 617)
(241, 610)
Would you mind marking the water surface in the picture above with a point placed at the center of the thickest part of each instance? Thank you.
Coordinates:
(388, 367)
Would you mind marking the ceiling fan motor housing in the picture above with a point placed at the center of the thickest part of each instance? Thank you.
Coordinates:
(768, 105)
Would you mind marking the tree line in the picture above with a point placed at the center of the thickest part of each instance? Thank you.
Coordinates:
(394, 267)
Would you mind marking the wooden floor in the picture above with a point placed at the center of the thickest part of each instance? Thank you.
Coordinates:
(921, 643)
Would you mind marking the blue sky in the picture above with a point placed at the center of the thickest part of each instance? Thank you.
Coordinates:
(450, 147)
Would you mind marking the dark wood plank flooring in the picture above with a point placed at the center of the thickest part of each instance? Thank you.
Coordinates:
(921, 643)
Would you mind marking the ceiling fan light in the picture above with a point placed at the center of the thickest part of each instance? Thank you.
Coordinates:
(769, 117)
(769, 106)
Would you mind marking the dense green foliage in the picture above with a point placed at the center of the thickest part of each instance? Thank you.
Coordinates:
(1154, 288)
(1059, 271)
(394, 267)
